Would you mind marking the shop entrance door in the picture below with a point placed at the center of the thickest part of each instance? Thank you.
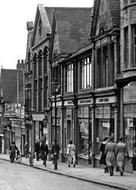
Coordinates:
(134, 145)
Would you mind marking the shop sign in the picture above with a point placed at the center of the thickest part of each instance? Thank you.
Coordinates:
(68, 103)
(104, 100)
(85, 101)
(57, 104)
(38, 117)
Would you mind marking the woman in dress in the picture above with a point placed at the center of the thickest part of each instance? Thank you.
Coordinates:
(121, 152)
(110, 150)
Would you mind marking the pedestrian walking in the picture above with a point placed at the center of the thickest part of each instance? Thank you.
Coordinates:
(26, 150)
(37, 150)
(122, 152)
(110, 150)
(44, 152)
(71, 153)
(55, 150)
(103, 154)
(13, 151)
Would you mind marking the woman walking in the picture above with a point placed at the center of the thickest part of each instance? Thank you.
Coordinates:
(44, 152)
(110, 150)
(121, 152)
(71, 153)
(103, 154)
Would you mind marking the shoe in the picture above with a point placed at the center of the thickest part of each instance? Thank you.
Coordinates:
(111, 171)
(68, 165)
(121, 173)
(74, 165)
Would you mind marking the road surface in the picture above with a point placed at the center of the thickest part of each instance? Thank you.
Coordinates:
(14, 176)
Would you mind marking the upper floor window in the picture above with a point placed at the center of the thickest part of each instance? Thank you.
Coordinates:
(56, 78)
(133, 46)
(104, 71)
(69, 78)
(85, 73)
(125, 2)
(40, 27)
(133, 1)
(126, 49)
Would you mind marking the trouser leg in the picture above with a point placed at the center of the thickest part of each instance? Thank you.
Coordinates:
(74, 160)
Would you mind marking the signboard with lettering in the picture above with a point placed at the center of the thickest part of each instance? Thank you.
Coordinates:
(85, 101)
(104, 100)
(68, 103)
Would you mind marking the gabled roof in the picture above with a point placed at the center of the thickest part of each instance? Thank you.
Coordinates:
(9, 84)
(45, 22)
(73, 28)
(113, 7)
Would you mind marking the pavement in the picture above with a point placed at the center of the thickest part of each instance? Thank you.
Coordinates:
(95, 175)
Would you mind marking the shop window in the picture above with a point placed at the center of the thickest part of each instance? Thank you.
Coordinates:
(104, 128)
(85, 73)
(69, 78)
(84, 136)
(129, 134)
(84, 131)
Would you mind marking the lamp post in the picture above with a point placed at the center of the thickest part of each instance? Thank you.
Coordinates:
(55, 92)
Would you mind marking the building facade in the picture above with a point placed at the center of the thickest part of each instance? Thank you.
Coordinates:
(81, 77)
(12, 108)
(126, 81)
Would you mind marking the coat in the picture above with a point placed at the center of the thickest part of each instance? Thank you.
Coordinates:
(121, 151)
(44, 151)
(55, 150)
(110, 150)
(37, 147)
(13, 149)
(103, 155)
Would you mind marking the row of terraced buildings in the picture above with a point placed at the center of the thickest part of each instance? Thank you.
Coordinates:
(80, 78)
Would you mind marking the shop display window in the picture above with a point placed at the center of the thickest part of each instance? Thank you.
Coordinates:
(84, 134)
(129, 134)
(84, 130)
(103, 129)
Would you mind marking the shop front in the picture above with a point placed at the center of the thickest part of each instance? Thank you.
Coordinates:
(105, 121)
(68, 132)
(36, 133)
(129, 122)
(84, 119)
(56, 123)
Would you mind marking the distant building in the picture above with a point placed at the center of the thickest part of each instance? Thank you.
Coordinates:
(12, 107)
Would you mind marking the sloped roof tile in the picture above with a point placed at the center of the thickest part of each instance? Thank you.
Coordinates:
(73, 27)
(9, 84)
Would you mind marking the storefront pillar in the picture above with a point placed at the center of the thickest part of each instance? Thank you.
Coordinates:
(62, 135)
(115, 122)
(76, 129)
(121, 130)
(93, 136)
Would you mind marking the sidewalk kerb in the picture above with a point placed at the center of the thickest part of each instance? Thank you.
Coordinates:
(104, 183)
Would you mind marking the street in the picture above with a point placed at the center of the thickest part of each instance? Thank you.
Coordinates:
(16, 176)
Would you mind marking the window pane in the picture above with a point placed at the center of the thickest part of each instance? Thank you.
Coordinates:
(85, 73)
